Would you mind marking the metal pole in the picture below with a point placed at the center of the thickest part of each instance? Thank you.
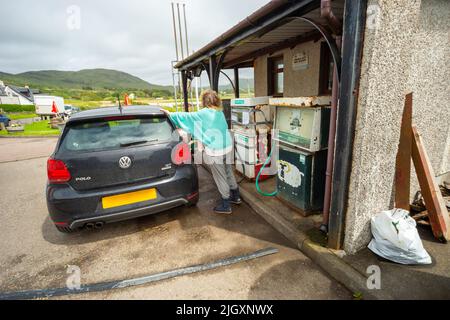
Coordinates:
(355, 19)
(175, 32)
(175, 88)
(184, 80)
(181, 33)
(236, 83)
(331, 140)
(183, 85)
(229, 79)
(185, 30)
(196, 93)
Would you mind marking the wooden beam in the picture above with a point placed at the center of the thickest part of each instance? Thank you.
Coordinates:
(421, 215)
(403, 163)
(434, 202)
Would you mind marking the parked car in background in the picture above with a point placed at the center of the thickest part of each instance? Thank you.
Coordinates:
(5, 120)
(48, 105)
(69, 110)
(111, 165)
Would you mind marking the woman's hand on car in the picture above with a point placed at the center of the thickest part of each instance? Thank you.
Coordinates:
(166, 112)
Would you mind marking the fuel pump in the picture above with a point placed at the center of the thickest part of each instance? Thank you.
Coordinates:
(251, 122)
(301, 131)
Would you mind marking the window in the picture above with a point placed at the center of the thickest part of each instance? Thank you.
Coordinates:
(112, 134)
(326, 70)
(276, 76)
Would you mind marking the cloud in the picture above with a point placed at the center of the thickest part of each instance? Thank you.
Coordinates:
(134, 36)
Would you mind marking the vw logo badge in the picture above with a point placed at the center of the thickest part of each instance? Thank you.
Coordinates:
(125, 162)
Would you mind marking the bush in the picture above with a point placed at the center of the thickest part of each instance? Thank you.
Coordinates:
(17, 108)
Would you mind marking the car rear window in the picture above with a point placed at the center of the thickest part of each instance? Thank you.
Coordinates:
(112, 134)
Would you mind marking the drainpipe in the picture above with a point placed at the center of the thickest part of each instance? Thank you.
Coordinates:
(336, 26)
(331, 144)
(326, 12)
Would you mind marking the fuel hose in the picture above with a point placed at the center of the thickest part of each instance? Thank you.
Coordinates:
(258, 188)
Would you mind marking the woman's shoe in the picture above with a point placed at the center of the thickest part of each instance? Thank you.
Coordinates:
(224, 207)
(235, 197)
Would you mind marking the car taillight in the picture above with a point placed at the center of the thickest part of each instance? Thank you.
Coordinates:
(57, 171)
(181, 154)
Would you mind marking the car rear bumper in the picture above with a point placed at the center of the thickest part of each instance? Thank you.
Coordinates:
(72, 208)
(130, 214)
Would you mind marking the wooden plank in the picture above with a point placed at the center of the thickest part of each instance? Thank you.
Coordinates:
(423, 223)
(313, 101)
(437, 212)
(403, 162)
(420, 215)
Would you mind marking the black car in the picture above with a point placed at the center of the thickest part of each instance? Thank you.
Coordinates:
(111, 164)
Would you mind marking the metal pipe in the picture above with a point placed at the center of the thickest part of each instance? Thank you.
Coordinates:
(185, 30)
(352, 46)
(175, 87)
(326, 12)
(181, 32)
(175, 32)
(229, 79)
(99, 225)
(331, 144)
(335, 53)
(184, 79)
(236, 83)
(196, 93)
(126, 283)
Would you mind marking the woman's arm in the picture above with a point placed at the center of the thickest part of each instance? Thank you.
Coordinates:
(184, 120)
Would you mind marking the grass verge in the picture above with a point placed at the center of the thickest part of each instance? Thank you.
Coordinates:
(21, 115)
(40, 128)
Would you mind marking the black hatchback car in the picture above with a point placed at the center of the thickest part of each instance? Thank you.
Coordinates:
(111, 165)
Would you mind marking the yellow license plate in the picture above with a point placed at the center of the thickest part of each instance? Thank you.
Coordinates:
(128, 198)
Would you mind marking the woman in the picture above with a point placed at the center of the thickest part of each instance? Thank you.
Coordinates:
(210, 128)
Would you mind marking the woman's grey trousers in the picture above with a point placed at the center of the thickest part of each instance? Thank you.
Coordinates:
(222, 172)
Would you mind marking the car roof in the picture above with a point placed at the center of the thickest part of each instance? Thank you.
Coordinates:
(115, 111)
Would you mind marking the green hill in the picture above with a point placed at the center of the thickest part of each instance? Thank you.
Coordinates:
(95, 79)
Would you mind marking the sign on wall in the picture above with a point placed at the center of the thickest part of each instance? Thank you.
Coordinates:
(300, 61)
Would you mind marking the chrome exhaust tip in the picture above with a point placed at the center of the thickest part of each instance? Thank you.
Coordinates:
(99, 225)
(90, 226)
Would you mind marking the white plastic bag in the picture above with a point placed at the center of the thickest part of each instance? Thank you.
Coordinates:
(395, 238)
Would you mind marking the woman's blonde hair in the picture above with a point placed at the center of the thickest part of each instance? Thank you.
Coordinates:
(210, 99)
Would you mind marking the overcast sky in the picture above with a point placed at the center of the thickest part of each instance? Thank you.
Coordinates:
(134, 36)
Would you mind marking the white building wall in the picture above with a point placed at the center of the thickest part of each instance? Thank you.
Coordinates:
(21, 100)
(9, 100)
(406, 48)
